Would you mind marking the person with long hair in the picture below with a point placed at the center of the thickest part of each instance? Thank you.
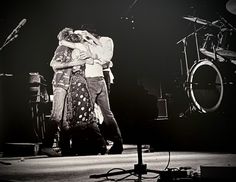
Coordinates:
(72, 109)
(101, 48)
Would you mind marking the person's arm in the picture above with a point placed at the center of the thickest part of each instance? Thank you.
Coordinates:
(107, 65)
(105, 53)
(89, 37)
(81, 55)
(85, 52)
(56, 65)
(89, 61)
(59, 60)
(71, 45)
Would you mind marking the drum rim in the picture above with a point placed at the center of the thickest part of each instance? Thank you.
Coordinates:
(190, 90)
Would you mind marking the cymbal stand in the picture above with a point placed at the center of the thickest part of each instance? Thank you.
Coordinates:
(196, 41)
(228, 24)
(184, 41)
(186, 84)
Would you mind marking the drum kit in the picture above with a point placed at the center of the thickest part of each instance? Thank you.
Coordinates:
(211, 82)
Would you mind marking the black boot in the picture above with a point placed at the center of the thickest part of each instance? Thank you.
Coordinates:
(117, 147)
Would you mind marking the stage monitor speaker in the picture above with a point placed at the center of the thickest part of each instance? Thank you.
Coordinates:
(218, 173)
(20, 149)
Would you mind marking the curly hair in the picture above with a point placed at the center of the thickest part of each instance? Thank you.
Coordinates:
(64, 33)
(91, 28)
(74, 38)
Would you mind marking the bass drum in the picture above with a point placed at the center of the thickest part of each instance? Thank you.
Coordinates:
(211, 86)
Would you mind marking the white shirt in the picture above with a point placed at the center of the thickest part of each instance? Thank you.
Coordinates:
(104, 53)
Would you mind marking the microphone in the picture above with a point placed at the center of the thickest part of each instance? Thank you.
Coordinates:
(22, 22)
(16, 30)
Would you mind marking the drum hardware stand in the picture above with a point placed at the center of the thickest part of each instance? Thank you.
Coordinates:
(185, 55)
(216, 56)
(190, 108)
(196, 40)
(184, 41)
(227, 23)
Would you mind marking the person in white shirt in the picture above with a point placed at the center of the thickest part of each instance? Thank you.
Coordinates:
(101, 49)
(72, 106)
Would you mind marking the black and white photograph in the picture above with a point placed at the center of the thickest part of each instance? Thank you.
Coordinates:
(117, 90)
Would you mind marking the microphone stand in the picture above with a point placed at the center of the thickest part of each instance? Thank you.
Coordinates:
(13, 35)
(7, 41)
(139, 169)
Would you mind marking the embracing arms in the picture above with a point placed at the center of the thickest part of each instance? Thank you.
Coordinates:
(101, 53)
(62, 59)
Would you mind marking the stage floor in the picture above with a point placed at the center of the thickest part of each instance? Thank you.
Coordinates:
(79, 168)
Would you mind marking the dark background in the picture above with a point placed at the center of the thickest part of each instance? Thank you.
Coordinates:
(145, 56)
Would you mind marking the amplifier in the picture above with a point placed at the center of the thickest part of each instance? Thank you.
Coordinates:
(37, 88)
(36, 78)
(218, 173)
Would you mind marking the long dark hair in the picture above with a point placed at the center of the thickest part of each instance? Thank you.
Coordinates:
(74, 38)
(91, 28)
(64, 33)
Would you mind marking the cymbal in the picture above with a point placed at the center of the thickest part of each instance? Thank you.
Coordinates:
(231, 6)
(197, 20)
(226, 53)
(211, 54)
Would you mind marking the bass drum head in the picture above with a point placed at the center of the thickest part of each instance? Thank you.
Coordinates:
(205, 86)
